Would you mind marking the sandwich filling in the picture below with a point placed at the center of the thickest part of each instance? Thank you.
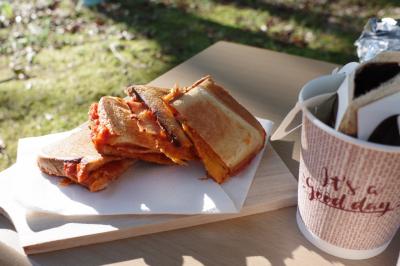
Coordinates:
(173, 141)
(226, 136)
(95, 179)
(76, 159)
(243, 139)
(125, 128)
(129, 128)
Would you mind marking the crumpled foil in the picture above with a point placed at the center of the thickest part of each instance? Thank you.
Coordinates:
(378, 35)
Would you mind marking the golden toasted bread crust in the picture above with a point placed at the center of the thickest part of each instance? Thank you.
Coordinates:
(51, 166)
(76, 158)
(177, 147)
(206, 117)
(215, 166)
(127, 152)
(95, 180)
(74, 147)
(152, 97)
(115, 114)
(119, 131)
(109, 172)
(230, 102)
(115, 132)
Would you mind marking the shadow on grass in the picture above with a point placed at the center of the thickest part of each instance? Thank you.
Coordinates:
(182, 34)
(317, 18)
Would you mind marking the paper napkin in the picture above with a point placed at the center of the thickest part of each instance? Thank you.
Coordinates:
(144, 189)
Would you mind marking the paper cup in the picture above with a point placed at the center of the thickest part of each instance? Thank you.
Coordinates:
(349, 190)
(398, 261)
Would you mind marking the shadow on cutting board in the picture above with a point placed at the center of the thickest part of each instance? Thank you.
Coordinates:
(213, 244)
(11, 253)
(43, 221)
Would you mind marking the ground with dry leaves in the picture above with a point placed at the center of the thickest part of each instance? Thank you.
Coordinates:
(56, 57)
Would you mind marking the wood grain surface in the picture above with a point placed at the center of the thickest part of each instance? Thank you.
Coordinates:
(273, 187)
(267, 83)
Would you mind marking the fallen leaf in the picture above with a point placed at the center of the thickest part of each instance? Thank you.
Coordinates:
(48, 116)
(125, 35)
(2, 146)
(263, 28)
(28, 86)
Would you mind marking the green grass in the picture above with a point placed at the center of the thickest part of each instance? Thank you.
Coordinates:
(72, 67)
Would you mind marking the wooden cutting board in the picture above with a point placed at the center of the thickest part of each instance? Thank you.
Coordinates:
(273, 187)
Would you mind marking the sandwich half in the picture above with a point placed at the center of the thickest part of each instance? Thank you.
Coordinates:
(172, 141)
(139, 126)
(225, 135)
(76, 159)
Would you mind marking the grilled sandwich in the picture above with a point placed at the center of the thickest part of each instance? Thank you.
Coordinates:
(139, 126)
(76, 159)
(225, 135)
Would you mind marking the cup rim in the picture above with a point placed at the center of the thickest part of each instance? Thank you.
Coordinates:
(338, 78)
(349, 139)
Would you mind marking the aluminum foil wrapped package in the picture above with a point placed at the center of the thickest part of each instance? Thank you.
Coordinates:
(378, 35)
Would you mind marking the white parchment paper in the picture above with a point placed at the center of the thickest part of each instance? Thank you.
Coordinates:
(144, 189)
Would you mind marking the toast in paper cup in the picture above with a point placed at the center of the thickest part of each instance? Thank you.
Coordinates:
(373, 80)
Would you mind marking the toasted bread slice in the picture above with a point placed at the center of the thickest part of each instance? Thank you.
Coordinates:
(173, 143)
(118, 131)
(76, 159)
(387, 56)
(373, 80)
(226, 136)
